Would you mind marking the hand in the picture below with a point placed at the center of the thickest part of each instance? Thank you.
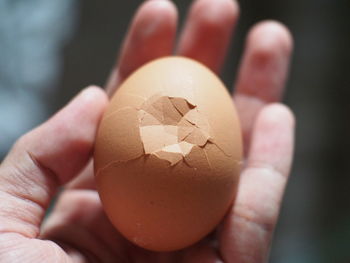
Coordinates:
(53, 154)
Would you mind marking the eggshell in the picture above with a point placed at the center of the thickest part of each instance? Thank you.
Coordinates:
(168, 154)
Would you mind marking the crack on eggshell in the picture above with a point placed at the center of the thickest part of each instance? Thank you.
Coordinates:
(131, 98)
(206, 156)
(171, 129)
(116, 163)
(217, 146)
(181, 105)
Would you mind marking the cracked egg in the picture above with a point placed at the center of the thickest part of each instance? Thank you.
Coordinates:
(168, 153)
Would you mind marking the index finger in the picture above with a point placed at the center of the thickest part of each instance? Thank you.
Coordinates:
(151, 35)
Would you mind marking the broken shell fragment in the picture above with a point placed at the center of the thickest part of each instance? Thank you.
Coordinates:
(168, 153)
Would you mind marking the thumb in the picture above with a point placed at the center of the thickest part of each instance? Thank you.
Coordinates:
(45, 158)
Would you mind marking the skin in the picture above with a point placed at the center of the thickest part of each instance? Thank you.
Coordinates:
(57, 153)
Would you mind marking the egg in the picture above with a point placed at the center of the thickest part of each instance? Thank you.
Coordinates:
(168, 153)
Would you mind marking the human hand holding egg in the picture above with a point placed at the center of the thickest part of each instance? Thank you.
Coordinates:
(55, 152)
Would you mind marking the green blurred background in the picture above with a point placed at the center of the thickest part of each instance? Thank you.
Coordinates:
(314, 225)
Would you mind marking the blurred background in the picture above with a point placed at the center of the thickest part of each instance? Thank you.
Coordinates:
(49, 50)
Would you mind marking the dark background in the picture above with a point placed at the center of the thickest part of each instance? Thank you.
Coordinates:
(314, 225)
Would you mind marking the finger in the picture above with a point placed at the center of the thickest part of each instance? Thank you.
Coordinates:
(151, 35)
(78, 222)
(263, 71)
(208, 30)
(85, 179)
(248, 229)
(45, 158)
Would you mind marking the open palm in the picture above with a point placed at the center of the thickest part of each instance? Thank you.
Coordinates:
(54, 154)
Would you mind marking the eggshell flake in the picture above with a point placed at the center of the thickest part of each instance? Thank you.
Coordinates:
(168, 153)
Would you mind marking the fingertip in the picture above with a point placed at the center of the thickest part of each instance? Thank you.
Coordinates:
(230, 10)
(151, 35)
(156, 13)
(154, 17)
(227, 10)
(162, 5)
(207, 31)
(94, 94)
(270, 36)
(86, 108)
(265, 63)
(277, 114)
(273, 138)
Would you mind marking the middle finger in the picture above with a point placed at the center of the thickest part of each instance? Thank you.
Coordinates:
(207, 31)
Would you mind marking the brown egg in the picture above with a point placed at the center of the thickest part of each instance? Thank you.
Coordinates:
(168, 154)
